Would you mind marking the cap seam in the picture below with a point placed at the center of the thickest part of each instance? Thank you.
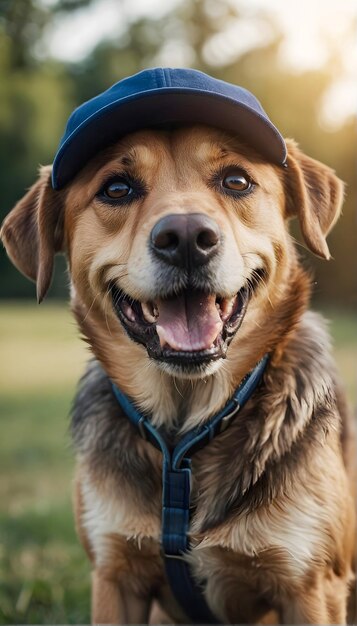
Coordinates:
(163, 79)
(167, 77)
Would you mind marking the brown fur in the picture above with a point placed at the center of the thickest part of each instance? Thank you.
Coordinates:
(273, 528)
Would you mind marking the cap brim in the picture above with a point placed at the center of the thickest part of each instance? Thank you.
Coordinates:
(164, 106)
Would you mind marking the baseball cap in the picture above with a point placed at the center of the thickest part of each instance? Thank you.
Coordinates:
(159, 96)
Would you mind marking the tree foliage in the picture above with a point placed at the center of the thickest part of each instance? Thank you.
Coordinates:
(37, 94)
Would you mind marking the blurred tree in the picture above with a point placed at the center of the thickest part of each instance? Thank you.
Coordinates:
(35, 99)
(196, 32)
(24, 21)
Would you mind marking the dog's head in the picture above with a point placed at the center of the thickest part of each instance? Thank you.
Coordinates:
(176, 240)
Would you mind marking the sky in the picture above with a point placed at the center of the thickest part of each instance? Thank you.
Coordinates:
(312, 28)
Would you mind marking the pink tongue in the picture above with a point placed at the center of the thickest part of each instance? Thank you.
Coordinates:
(188, 322)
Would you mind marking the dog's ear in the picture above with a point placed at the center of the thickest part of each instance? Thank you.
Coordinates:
(315, 195)
(33, 232)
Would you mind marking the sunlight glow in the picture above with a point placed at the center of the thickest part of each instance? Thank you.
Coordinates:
(314, 33)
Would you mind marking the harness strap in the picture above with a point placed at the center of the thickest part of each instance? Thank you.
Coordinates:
(176, 487)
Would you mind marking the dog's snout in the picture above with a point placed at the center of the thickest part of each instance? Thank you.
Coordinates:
(186, 240)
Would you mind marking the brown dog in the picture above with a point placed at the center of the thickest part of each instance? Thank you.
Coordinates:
(173, 237)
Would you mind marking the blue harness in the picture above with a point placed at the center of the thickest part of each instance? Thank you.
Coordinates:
(176, 479)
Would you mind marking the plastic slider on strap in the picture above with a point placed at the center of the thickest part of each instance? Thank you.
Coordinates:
(141, 428)
(226, 420)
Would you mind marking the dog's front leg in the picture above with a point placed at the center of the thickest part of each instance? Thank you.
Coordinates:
(112, 603)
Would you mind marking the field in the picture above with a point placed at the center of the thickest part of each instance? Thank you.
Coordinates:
(44, 575)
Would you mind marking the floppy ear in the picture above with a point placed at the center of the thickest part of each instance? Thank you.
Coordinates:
(33, 232)
(315, 195)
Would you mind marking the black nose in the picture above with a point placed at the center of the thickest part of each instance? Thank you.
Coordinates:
(185, 240)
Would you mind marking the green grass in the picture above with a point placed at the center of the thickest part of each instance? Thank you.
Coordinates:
(44, 574)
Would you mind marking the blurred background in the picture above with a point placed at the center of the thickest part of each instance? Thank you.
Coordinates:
(299, 58)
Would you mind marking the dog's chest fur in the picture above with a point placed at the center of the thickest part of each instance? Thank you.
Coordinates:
(244, 528)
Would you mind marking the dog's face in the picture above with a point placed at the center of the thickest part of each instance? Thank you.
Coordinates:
(186, 234)
(177, 239)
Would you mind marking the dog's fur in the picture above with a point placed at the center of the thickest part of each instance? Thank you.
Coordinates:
(273, 526)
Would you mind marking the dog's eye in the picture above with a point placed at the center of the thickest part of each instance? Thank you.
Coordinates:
(117, 189)
(237, 182)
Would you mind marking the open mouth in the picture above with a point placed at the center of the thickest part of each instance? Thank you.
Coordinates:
(190, 328)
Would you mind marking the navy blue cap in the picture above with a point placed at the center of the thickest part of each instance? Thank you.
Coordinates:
(162, 96)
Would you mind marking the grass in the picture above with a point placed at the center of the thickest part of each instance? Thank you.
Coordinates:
(44, 574)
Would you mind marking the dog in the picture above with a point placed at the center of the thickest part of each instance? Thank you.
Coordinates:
(183, 277)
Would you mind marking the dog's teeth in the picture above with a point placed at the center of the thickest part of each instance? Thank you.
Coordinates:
(129, 312)
(227, 307)
(148, 312)
(162, 338)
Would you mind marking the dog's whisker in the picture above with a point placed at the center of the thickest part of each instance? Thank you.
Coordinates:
(299, 243)
(90, 308)
(176, 387)
(106, 321)
(125, 275)
(106, 307)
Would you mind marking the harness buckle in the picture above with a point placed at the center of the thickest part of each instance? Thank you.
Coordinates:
(141, 429)
(226, 420)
